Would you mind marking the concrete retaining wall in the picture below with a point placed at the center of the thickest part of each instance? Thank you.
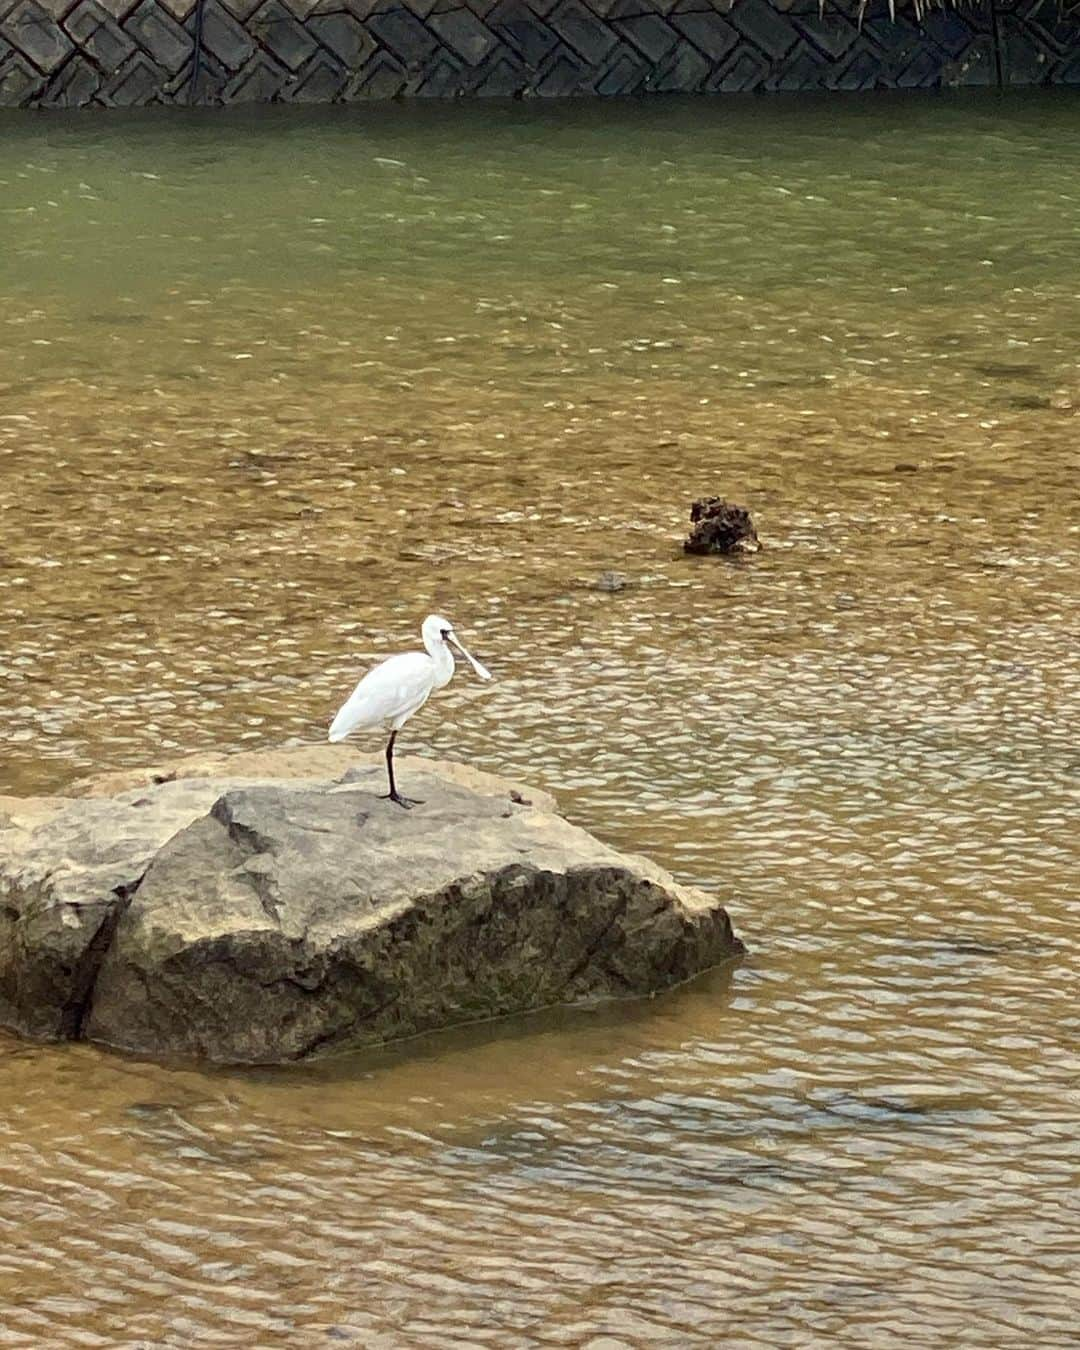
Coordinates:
(122, 53)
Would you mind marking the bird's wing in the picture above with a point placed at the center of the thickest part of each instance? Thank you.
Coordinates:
(398, 686)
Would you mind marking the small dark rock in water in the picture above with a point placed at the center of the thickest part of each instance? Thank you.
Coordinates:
(720, 527)
(611, 581)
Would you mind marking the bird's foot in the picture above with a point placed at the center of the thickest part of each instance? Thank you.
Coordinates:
(406, 802)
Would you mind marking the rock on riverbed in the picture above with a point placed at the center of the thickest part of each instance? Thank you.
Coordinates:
(266, 907)
(720, 527)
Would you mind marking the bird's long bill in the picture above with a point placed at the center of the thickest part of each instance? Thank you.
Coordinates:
(482, 671)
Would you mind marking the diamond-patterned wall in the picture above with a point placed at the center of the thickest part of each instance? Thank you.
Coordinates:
(119, 53)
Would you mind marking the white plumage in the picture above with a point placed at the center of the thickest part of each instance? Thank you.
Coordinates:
(389, 695)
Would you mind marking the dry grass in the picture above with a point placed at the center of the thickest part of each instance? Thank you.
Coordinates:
(920, 8)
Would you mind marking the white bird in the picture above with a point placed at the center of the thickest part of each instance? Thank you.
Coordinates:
(389, 695)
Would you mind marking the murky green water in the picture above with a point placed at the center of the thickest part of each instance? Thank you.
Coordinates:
(273, 386)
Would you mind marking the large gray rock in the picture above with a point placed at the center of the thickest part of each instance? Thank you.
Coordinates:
(67, 871)
(274, 907)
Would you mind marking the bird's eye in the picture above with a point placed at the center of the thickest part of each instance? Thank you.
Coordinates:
(445, 634)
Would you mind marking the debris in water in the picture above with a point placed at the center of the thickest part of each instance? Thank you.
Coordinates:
(720, 527)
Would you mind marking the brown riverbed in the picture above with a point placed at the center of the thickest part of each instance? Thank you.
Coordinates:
(271, 389)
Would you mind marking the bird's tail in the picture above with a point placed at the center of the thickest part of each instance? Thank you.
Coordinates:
(349, 716)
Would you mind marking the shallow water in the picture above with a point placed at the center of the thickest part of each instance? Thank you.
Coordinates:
(274, 385)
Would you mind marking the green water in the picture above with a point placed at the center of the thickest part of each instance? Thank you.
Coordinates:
(275, 384)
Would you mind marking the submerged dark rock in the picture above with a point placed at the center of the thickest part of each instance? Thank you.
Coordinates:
(610, 582)
(721, 527)
(279, 907)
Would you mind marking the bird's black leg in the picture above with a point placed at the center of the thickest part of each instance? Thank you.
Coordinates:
(393, 795)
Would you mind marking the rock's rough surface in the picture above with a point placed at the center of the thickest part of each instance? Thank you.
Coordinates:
(67, 871)
(282, 908)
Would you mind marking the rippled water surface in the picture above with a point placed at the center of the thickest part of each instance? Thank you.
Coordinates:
(273, 386)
